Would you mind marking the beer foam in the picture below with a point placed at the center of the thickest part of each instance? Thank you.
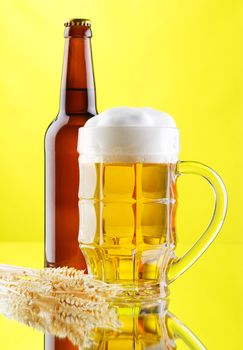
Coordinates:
(126, 134)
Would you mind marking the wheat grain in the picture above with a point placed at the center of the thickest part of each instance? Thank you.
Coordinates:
(61, 301)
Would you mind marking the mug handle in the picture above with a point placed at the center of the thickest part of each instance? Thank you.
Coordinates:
(180, 331)
(180, 265)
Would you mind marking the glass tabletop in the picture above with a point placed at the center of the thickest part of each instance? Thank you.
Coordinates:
(204, 310)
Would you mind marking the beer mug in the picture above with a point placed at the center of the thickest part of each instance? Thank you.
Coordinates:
(128, 165)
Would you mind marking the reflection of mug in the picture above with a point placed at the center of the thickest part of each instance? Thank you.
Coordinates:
(127, 202)
(147, 327)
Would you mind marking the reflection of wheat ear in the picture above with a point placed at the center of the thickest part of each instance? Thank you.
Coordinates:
(61, 301)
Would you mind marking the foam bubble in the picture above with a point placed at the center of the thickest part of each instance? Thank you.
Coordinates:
(127, 134)
(131, 116)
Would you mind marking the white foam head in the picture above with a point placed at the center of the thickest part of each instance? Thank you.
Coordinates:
(127, 134)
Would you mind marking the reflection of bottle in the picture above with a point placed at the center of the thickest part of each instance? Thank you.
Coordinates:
(77, 105)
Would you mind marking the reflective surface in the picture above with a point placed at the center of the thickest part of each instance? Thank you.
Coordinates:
(205, 299)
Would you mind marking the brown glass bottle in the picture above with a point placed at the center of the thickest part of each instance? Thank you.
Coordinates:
(77, 105)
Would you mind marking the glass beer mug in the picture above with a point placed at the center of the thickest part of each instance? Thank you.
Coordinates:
(128, 164)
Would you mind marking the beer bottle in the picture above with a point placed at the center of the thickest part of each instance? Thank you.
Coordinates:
(77, 105)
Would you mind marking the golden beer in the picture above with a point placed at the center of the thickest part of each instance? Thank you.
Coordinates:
(127, 221)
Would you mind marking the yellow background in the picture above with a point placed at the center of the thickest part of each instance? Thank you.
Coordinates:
(183, 57)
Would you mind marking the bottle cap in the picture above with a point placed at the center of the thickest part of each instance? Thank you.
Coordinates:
(77, 22)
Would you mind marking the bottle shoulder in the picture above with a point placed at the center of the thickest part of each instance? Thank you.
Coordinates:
(55, 126)
(66, 122)
(63, 131)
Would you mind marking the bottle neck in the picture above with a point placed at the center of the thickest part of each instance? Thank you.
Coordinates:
(78, 87)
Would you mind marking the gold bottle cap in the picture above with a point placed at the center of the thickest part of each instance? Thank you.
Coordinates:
(77, 22)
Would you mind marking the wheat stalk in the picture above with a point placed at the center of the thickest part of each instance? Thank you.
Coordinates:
(61, 301)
